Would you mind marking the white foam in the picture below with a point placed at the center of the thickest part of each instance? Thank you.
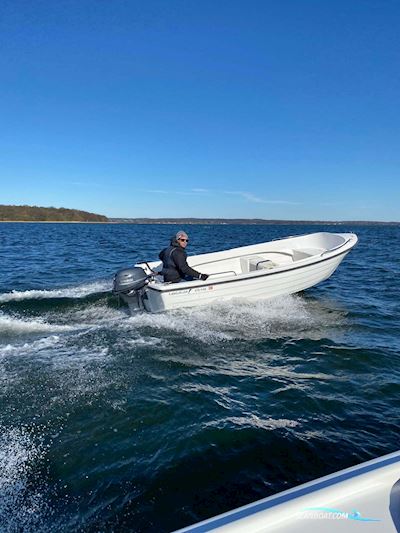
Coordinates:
(288, 316)
(82, 374)
(80, 356)
(10, 325)
(93, 314)
(21, 507)
(198, 326)
(142, 341)
(79, 291)
(250, 368)
(16, 451)
(28, 348)
(253, 421)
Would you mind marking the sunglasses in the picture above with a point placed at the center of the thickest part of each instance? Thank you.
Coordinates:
(183, 240)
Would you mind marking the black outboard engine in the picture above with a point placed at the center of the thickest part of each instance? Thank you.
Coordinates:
(128, 283)
(129, 279)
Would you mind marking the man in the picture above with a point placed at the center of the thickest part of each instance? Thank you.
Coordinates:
(174, 258)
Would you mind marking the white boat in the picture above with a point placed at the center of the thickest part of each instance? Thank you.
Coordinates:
(365, 497)
(252, 272)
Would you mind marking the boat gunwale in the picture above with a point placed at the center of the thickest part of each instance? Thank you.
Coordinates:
(256, 274)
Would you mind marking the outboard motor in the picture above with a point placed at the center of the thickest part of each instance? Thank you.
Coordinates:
(128, 283)
(129, 279)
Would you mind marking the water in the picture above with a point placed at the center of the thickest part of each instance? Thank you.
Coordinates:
(111, 422)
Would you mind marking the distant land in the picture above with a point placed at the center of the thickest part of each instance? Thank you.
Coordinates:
(26, 213)
(247, 221)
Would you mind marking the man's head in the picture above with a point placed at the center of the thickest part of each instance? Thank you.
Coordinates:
(182, 239)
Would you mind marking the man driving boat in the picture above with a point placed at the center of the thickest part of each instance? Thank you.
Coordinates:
(174, 259)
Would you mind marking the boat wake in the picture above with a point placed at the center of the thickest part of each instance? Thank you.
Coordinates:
(282, 317)
(47, 343)
(15, 326)
(285, 317)
(78, 291)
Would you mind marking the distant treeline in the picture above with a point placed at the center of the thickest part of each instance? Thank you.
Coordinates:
(27, 213)
(255, 221)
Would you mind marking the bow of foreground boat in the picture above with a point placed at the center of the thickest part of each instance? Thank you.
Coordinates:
(364, 496)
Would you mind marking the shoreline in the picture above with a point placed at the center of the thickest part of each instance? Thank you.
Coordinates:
(211, 222)
(52, 222)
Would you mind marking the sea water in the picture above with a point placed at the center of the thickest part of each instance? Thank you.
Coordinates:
(113, 422)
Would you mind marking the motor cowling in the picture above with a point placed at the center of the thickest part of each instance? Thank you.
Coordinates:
(129, 279)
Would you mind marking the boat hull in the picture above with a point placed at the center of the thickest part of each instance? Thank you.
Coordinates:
(256, 288)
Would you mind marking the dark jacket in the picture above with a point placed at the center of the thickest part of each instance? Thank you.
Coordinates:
(175, 267)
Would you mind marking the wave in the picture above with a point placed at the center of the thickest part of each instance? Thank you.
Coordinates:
(286, 316)
(254, 422)
(78, 291)
(96, 314)
(27, 348)
(10, 326)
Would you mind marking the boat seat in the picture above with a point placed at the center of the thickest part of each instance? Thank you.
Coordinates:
(305, 252)
(250, 263)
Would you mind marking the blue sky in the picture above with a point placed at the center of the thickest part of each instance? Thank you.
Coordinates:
(285, 109)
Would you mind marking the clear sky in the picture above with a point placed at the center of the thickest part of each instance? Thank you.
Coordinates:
(283, 109)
